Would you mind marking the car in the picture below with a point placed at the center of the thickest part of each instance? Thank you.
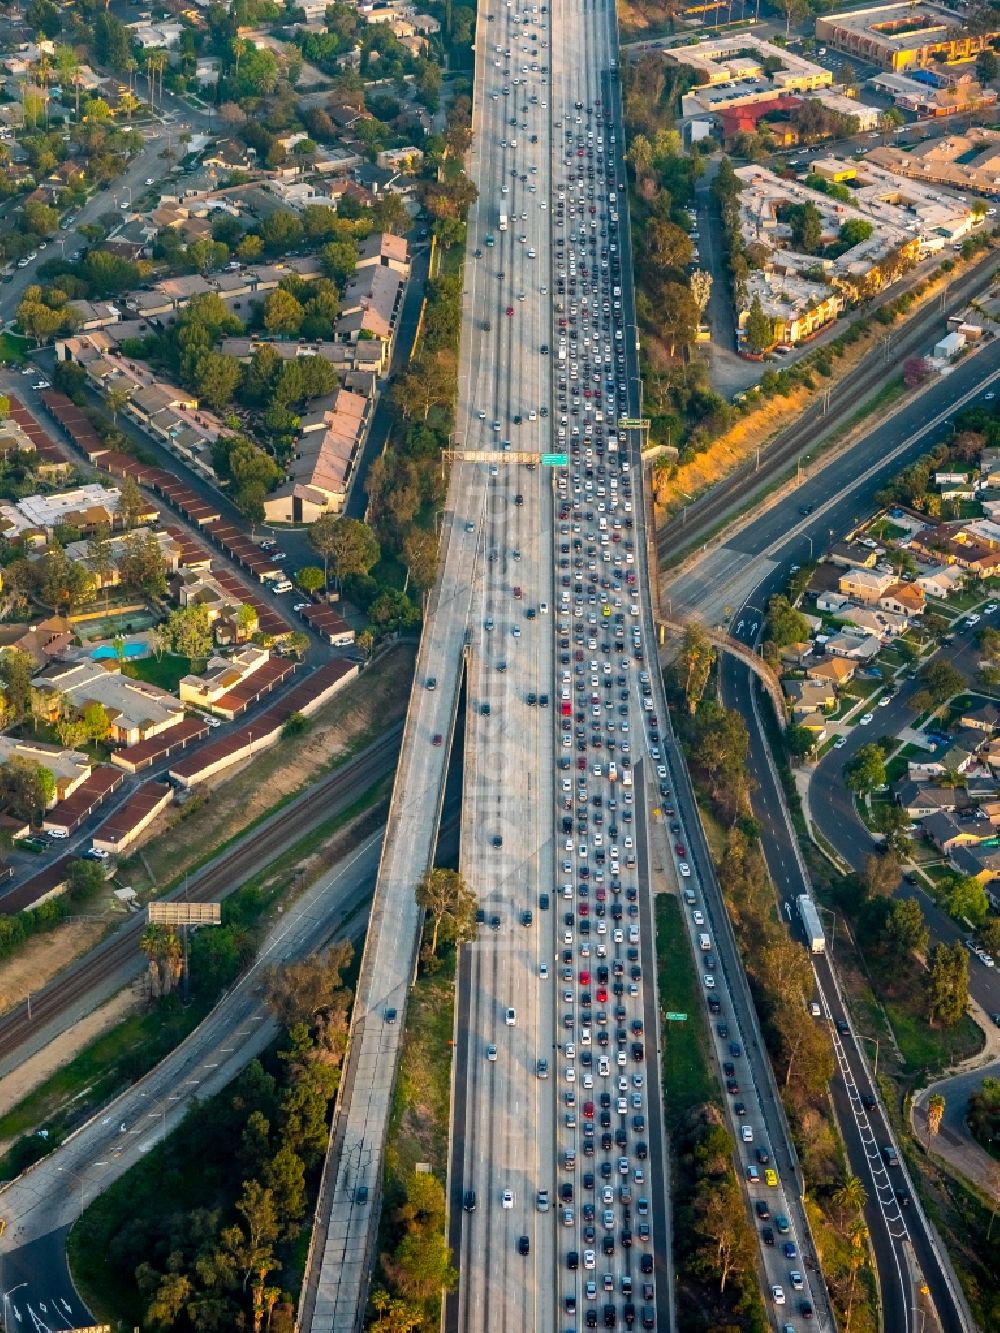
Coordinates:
(390, 1015)
(684, 868)
(840, 742)
(150, 181)
(510, 1017)
(709, 981)
(507, 1199)
(778, 1294)
(782, 1224)
(469, 1201)
(523, 1245)
(865, 718)
(491, 1052)
(436, 740)
(98, 854)
(795, 1278)
(542, 1201)
(789, 1250)
(746, 1133)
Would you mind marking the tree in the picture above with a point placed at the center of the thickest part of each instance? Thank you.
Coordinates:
(947, 984)
(695, 664)
(16, 671)
(793, 10)
(27, 789)
(758, 328)
(350, 544)
(941, 681)
(310, 579)
(141, 564)
(854, 231)
(451, 906)
(966, 899)
(132, 508)
(987, 66)
(216, 377)
(700, 283)
(282, 312)
(190, 631)
(720, 1220)
(785, 624)
(935, 1113)
(163, 951)
(904, 931)
(806, 227)
(420, 555)
(866, 770)
(881, 874)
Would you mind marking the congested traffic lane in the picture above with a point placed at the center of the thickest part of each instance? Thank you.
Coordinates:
(559, 906)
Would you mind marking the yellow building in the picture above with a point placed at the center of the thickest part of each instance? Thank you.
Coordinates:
(903, 37)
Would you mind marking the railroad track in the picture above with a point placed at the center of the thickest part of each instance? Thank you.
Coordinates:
(717, 504)
(249, 855)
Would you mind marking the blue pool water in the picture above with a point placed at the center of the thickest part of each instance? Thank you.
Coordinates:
(105, 651)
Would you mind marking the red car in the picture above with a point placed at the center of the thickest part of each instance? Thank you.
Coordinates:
(679, 849)
(588, 1110)
(510, 310)
(602, 995)
(585, 978)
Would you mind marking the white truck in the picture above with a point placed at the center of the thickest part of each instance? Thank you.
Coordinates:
(815, 939)
(503, 221)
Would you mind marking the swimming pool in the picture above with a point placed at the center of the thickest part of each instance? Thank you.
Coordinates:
(130, 650)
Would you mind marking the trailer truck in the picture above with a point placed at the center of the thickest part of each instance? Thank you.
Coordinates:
(503, 221)
(815, 939)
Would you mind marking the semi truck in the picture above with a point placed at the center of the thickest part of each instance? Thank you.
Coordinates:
(815, 939)
(503, 221)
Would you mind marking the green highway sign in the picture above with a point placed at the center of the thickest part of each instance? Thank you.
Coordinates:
(554, 460)
(675, 1018)
(634, 423)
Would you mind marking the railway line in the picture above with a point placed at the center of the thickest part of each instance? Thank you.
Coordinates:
(96, 973)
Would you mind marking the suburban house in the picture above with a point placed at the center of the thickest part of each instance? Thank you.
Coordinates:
(135, 709)
(866, 586)
(69, 768)
(921, 799)
(833, 670)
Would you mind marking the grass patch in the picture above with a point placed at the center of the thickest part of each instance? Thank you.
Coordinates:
(166, 672)
(688, 1069)
(419, 1128)
(110, 1063)
(14, 349)
(895, 769)
(931, 1049)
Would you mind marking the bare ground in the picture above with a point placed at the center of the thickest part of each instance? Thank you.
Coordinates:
(221, 809)
(38, 961)
(29, 1075)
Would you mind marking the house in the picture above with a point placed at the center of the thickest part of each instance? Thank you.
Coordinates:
(808, 696)
(886, 624)
(320, 472)
(69, 768)
(941, 581)
(42, 642)
(831, 601)
(905, 599)
(866, 586)
(383, 250)
(220, 676)
(858, 647)
(833, 670)
(978, 862)
(948, 830)
(986, 717)
(920, 799)
(94, 314)
(852, 554)
(135, 709)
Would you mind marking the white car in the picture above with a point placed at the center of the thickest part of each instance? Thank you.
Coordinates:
(510, 1018)
(778, 1294)
(589, 1259)
(507, 1200)
(150, 181)
(697, 918)
(865, 718)
(746, 1133)
(684, 868)
(709, 981)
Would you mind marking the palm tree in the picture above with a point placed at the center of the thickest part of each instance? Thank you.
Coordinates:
(116, 400)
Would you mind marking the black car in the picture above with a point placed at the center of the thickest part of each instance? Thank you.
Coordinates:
(523, 1245)
(573, 1261)
(646, 1263)
(469, 1201)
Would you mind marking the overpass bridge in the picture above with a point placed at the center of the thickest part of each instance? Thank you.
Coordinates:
(725, 643)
